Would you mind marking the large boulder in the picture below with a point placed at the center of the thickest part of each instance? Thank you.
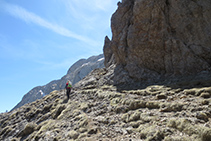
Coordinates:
(153, 39)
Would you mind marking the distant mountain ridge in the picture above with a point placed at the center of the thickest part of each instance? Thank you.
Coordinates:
(75, 73)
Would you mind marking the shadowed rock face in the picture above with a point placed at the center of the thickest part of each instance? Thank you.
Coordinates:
(160, 38)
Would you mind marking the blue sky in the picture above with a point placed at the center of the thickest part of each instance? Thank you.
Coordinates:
(40, 40)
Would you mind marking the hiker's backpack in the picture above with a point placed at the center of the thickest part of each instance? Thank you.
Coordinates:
(69, 85)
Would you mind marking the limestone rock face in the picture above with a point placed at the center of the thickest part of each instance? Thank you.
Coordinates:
(75, 73)
(160, 38)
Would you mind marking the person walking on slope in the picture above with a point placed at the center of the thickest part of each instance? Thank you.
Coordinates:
(68, 88)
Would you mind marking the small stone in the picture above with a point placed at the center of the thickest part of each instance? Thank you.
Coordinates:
(161, 96)
(73, 134)
(206, 135)
(205, 95)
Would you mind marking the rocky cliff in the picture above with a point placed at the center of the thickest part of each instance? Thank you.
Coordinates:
(159, 39)
(75, 73)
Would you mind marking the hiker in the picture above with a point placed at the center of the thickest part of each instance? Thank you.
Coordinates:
(68, 88)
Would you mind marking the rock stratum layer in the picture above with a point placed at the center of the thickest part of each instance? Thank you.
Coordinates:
(154, 39)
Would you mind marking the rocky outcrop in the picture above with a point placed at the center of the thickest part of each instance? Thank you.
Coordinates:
(75, 73)
(155, 39)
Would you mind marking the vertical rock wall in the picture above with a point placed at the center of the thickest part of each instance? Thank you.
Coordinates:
(154, 38)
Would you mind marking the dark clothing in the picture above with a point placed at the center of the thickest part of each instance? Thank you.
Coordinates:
(68, 88)
(68, 93)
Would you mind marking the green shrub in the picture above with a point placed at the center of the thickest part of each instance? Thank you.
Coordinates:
(190, 92)
(177, 138)
(205, 95)
(147, 131)
(135, 116)
(121, 109)
(202, 116)
(171, 107)
(83, 122)
(185, 125)
(84, 106)
(153, 105)
(136, 124)
(161, 96)
(82, 135)
(136, 104)
(125, 117)
(138, 92)
(28, 129)
(206, 134)
(56, 112)
(172, 123)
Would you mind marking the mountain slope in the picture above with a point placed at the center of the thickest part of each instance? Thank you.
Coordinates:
(75, 73)
(173, 112)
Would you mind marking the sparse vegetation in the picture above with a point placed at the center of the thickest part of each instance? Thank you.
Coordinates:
(152, 113)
